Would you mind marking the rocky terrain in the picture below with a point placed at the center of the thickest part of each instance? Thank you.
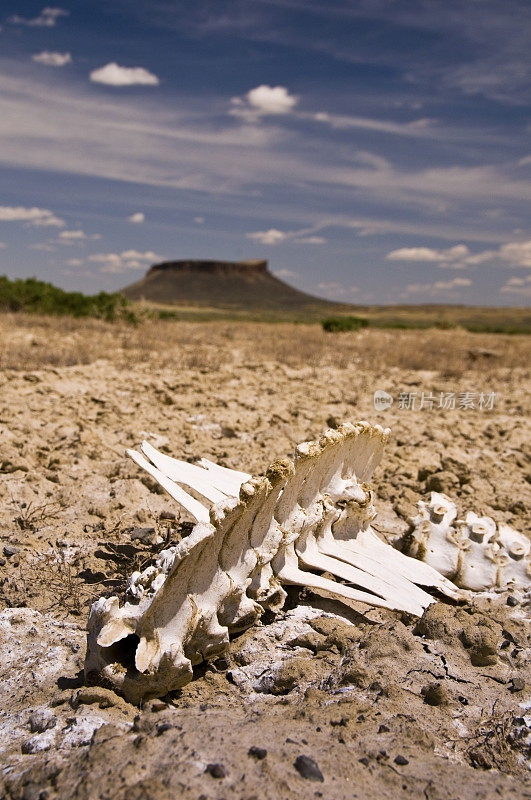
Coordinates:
(323, 700)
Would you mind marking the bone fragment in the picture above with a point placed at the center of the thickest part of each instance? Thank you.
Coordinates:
(475, 553)
(258, 534)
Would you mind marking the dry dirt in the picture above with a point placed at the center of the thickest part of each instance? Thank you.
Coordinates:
(323, 701)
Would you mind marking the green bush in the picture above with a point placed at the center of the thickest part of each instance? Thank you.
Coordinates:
(339, 324)
(38, 297)
(165, 313)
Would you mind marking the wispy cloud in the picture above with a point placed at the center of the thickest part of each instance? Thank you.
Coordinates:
(46, 19)
(138, 217)
(418, 128)
(52, 59)
(113, 74)
(124, 261)
(39, 217)
(273, 236)
(285, 273)
(436, 288)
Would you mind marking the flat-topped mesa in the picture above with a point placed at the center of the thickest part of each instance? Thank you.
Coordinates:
(246, 268)
(244, 285)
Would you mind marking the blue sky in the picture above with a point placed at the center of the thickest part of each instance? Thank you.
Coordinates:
(374, 151)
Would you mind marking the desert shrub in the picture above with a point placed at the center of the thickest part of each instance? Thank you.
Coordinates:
(339, 324)
(165, 313)
(38, 297)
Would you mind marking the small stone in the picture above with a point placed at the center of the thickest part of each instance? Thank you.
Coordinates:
(517, 685)
(10, 550)
(216, 770)
(434, 694)
(512, 601)
(257, 752)
(383, 729)
(444, 481)
(41, 721)
(155, 705)
(364, 761)
(308, 768)
(162, 727)
(401, 761)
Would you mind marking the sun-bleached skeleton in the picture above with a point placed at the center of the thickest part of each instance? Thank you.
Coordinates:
(258, 535)
(474, 552)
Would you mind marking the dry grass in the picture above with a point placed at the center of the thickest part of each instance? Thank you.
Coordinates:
(29, 342)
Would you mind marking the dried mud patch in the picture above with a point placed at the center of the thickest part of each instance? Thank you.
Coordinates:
(383, 705)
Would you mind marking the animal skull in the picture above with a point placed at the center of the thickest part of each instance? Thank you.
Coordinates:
(253, 536)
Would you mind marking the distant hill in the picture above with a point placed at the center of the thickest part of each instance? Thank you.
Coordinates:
(223, 284)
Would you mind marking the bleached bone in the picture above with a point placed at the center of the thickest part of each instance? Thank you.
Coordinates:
(474, 553)
(259, 534)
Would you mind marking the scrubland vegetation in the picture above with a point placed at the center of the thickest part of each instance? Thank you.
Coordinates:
(29, 341)
(37, 297)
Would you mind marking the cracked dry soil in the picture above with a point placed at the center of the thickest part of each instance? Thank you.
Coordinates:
(322, 701)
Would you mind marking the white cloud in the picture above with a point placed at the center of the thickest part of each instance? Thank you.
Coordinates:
(138, 217)
(271, 99)
(75, 262)
(285, 273)
(524, 161)
(46, 19)
(114, 75)
(428, 254)
(516, 254)
(310, 240)
(34, 216)
(71, 236)
(124, 261)
(50, 59)
(47, 248)
(199, 220)
(436, 288)
(521, 287)
(263, 101)
(272, 236)
(512, 254)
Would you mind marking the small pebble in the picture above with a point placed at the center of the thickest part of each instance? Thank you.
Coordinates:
(216, 770)
(41, 721)
(257, 752)
(308, 768)
(162, 727)
(401, 761)
(10, 550)
(435, 694)
(512, 601)
(516, 685)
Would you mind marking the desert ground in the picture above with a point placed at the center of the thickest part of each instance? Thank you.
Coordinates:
(323, 700)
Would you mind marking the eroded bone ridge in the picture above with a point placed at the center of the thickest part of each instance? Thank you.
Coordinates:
(474, 552)
(254, 535)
